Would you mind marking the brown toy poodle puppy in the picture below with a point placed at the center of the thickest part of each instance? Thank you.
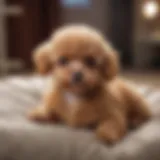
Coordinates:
(85, 89)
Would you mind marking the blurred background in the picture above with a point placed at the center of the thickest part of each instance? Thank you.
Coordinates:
(133, 27)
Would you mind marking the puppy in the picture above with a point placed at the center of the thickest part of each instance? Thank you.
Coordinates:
(85, 89)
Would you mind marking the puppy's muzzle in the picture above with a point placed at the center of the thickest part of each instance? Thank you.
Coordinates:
(77, 77)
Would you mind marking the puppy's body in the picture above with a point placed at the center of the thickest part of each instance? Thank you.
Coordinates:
(95, 96)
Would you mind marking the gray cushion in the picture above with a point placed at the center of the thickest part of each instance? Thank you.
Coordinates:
(21, 139)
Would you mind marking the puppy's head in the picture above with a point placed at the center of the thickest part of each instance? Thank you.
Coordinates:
(81, 57)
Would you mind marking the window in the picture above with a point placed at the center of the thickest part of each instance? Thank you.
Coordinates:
(76, 3)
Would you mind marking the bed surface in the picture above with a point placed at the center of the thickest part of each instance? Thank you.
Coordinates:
(21, 139)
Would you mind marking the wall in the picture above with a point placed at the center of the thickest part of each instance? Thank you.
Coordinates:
(95, 15)
(143, 29)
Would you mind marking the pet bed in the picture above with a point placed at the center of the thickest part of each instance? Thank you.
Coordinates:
(21, 139)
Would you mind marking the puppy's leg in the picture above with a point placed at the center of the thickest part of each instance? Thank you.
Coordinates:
(138, 107)
(112, 129)
(41, 114)
(46, 112)
(139, 112)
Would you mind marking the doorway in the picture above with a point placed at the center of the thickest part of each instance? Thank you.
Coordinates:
(121, 28)
(38, 19)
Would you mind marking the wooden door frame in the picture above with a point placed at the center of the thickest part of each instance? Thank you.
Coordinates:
(31, 28)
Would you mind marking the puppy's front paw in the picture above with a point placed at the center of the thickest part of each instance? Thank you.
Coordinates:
(108, 133)
(39, 115)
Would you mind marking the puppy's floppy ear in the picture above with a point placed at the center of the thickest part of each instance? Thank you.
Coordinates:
(110, 62)
(41, 58)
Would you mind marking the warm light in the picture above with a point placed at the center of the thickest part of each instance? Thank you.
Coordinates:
(150, 9)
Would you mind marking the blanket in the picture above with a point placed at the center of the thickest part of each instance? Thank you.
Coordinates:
(21, 139)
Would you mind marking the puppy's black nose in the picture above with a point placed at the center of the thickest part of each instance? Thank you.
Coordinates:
(77, 77)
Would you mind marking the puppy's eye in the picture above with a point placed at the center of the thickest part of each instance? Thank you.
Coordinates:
(63, 61)
(90, 61)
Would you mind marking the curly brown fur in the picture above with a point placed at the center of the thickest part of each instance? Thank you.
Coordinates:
(98, 96)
